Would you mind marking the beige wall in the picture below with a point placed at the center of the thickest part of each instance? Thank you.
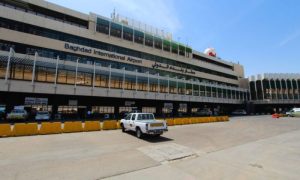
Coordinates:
(58, 45)
(239, 69)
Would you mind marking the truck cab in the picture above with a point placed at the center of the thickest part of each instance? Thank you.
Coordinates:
(143, 123)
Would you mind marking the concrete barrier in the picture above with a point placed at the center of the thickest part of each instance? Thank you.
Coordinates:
(118, 125)
(186, 121)
(170, 122)
(5, 130)
(50, 128)
(178, 121)
(70, 127)
(194, 120)
(213, 119)
(92, 126)
(226, 118)
(108, 125)
(23, 129)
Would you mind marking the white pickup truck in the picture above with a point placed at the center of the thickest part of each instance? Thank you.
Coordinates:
(143, 123)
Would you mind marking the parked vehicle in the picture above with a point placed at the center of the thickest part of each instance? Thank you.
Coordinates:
(42, 115)
(143, 123)
(204, 112)
(289, 113)
(295, 112)
(17, 114)
(239, 112)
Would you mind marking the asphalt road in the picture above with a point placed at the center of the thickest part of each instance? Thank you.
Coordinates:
(251, 147)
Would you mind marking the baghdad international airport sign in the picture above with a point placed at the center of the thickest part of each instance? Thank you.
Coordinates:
(101, 53)
(119, 57)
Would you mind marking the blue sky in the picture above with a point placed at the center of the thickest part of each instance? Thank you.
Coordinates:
(262, 35)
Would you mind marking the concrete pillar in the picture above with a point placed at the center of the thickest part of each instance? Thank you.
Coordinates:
(256, 96)
(33, 69)
(8, 63)
(262, 89)
(276, 89)
(293, 88)
(280, 88)
(270, 90)
(56, 70)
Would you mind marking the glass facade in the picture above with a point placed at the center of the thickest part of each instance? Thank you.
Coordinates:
(22, 27)
(22, 69)
(275, 89)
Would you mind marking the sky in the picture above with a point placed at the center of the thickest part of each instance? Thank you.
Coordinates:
(262, 35)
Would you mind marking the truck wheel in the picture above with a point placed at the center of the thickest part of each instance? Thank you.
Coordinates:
(123, 128)
(139, 133)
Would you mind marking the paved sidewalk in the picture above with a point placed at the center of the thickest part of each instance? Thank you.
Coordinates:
(250, 147)
(272, 158)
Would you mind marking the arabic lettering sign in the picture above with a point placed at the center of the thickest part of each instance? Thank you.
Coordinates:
(178, 69)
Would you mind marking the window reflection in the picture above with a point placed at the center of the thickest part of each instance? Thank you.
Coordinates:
(44, 74)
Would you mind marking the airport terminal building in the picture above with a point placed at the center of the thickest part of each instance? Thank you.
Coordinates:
(63, 61)
(274, 92)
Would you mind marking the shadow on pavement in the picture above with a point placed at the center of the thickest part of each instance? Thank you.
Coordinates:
(151, 139)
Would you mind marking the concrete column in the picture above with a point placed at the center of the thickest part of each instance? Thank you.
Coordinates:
(280, 88)
(222, 93)
(255, 87)
(94, 74)
(158, 84)
(122, 33)
(184, 87)
(270, 90)
(8, 63)
(199, 89)
(276, 89)
(192, 88)
(249, 90)
(287, 90)
(33, 69)
(136, 80)
(262, 88)
(56, 70)
(76, 72)
(168, 84)
(109, 77)
(177, 84)
(123, 82)
(235, 92)
(293, 89)
(148, 82)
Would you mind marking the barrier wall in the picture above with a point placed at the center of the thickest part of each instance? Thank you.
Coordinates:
(50, 128)
(170, 122)
(109, 125)
(70, 127)
(92, 126)
(24, 129)
(5, 130)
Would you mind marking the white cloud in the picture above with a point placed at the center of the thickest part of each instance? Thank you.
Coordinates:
(289, 38)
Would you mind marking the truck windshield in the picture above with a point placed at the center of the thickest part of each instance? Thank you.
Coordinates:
(145, 117)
